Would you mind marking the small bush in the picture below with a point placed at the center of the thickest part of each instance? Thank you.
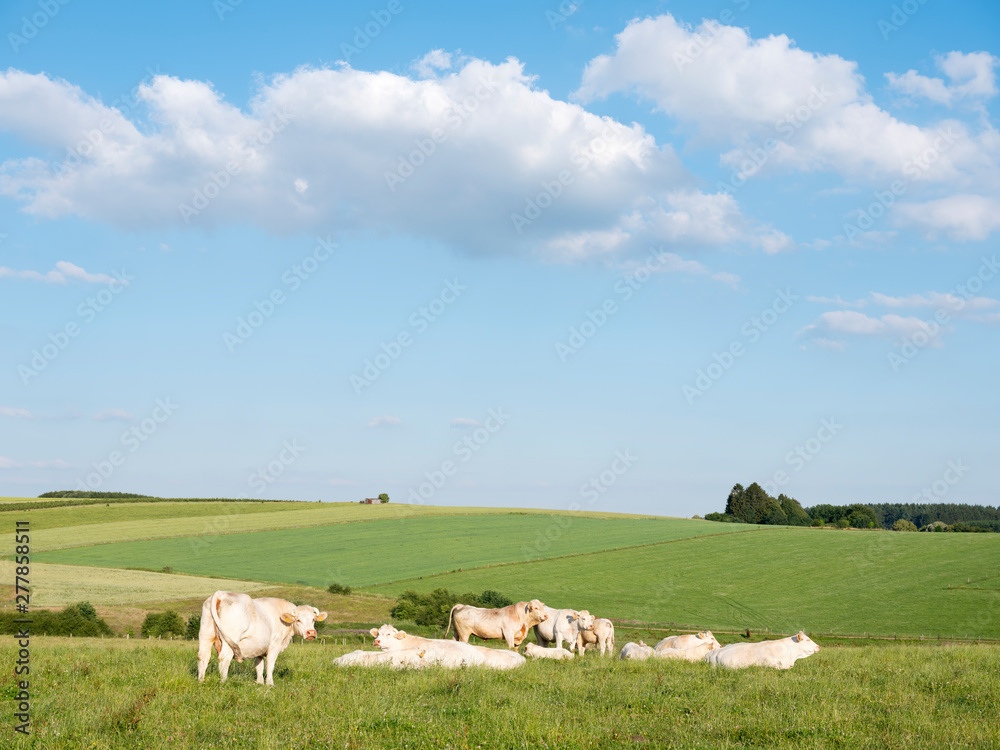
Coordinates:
(71, 621)
(193, 627)
(158, 624)
(842, 523)
(903, 525)
(339, 588)
(491, 599)
(817, 522)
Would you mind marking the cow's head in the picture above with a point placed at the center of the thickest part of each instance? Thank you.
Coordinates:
(707, 636)
(303, 620)
(807, 644)
(388, 638)
(586, 620)
(536, 612)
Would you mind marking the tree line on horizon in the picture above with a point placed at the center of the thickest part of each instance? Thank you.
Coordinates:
(753, 505)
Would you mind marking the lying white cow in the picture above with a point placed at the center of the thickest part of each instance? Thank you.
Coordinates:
(780, 654)
(509, 623)
(602, 634)
(636, 651)
(408, 657)
(246, 628)
(688, 641)
(445, 653)
(563, 625)
(694, 653)
(539, 652)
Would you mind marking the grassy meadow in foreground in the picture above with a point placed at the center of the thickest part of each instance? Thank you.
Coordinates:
(118, 694)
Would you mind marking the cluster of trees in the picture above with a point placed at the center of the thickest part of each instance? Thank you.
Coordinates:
(158, 624)
(753, 505)
(339, 588)
(383, 498)
(925, 514)
(77, 619)
(431, 610)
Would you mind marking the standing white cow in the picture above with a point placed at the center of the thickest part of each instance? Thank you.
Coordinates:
(688, 641)
(780, 654)
(244, 628)
(602, 634)
(510, 623)
(636, 651)
(563, 625)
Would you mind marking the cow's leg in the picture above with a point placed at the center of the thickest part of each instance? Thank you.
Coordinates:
(225, 656)
(207, 638)
(508, 636)
(259, 665)
(272, 656)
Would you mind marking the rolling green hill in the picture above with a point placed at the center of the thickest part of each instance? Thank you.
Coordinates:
(364, 554)
(823, 581)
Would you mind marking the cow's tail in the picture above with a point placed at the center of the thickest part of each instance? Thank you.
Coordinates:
(450, 613)
(214, 605)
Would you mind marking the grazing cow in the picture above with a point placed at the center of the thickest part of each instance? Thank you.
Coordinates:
(694, 653)
(509, 623)
(246, 628)
(636, 651)
(563, 625)
(539, 652)
(780, 654)
(446, 653)
(688, 641)
(602, 634)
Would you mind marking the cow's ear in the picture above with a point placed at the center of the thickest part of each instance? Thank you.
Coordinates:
(374, 632)
(288, 617)
(320, 617)
(400, 634)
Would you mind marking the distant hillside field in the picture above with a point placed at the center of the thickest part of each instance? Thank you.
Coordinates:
(823, 581)
(117, 523)
(364, 554)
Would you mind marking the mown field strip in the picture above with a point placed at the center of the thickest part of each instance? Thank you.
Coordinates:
(362, 554)
(88, 515)
(121, 695)
(225, 522)
(59, 585)
(825, 581)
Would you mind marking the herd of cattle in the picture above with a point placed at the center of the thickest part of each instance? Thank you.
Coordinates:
(243, 628)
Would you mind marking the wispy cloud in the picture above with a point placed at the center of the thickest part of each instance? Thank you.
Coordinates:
(63, 273)
(386, 420)
(8, 411)
(464, 422)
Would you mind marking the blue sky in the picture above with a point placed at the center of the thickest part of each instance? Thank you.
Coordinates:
(540, 255)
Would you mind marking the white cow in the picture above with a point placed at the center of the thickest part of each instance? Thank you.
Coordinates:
(446, 653)
(688, 641)
(243, 628)
(563, 625)
(510, 623)
(539, 652)
(408, 657)
(636, 651)
(602, 634)
(694, 653)
(780, 654)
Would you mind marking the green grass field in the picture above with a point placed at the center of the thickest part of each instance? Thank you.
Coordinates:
(123, 695)
(364, 554)
(119, 525)
(784, 579)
